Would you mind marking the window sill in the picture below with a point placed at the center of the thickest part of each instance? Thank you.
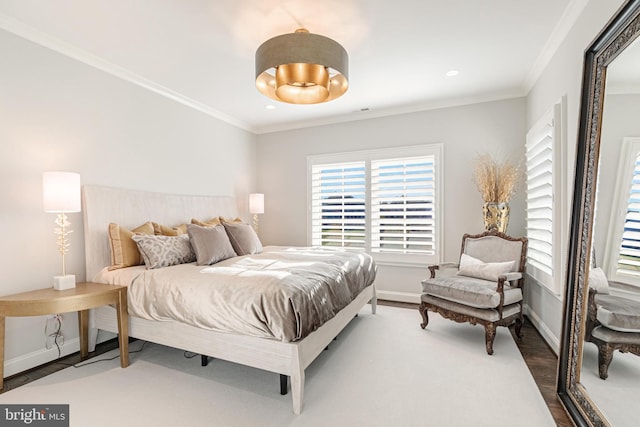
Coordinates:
(401, 263)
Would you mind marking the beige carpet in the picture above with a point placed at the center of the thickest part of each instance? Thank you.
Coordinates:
(383, 370)
(616, 396)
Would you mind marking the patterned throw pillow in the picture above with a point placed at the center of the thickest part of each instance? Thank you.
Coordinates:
(163, 251)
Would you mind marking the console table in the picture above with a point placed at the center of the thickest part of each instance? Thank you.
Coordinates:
(81, 298)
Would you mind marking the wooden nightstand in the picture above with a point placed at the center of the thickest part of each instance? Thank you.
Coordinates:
(81, 298)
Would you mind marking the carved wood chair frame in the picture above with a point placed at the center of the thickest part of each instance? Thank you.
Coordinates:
(489, 326)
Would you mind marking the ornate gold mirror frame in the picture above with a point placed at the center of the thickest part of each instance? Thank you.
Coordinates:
(614, 38)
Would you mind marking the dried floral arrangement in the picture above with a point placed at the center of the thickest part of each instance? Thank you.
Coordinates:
(496, 181)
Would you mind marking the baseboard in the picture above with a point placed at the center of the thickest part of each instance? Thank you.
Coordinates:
(545, 332)
(398, 296)
(39, 357)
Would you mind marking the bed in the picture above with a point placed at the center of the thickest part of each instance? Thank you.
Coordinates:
(284, 352)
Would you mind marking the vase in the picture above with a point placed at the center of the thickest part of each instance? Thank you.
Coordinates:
(496, 216)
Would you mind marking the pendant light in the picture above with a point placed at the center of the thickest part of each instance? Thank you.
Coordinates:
(302, 68)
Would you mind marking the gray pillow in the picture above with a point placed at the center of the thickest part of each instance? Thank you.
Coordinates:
(163, 251)
(210, 244)
(243, 238)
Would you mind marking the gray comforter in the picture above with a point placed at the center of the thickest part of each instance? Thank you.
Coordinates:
(282, 293)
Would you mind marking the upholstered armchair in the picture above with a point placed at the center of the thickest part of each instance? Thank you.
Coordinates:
(613, 322)
(485, 287)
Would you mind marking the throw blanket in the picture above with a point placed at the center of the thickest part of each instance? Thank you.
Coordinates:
(282, 293)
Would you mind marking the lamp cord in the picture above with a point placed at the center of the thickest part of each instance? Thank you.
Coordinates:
(91, 362)
(56, 335)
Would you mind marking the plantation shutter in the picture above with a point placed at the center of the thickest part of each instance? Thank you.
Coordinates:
(338, 194)
(628, 262)
(402, 205)
(539, 165)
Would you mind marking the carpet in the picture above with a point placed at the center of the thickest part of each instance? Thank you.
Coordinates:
(616, 396)
(382, 370)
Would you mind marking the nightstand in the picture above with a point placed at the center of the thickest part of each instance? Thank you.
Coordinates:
(81, 298)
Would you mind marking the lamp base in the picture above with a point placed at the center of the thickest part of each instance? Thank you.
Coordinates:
(60, 283)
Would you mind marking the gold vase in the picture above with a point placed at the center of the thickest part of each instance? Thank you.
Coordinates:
(496, 216)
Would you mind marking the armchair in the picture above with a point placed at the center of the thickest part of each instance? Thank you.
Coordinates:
(485, 287)
(613, 322)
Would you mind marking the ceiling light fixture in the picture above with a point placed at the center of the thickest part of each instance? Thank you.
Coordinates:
(302, 68)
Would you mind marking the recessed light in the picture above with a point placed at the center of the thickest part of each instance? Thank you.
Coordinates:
(270, 107)
(452, 73)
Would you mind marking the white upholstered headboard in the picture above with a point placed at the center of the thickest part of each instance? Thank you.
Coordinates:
(131, 208)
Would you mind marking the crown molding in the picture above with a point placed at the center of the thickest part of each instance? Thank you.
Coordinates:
(558, 35)
(27, 32)
(391, 111)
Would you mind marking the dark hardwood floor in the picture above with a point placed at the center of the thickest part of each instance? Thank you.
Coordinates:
(543, 365)
(539, 357)
(38, 372)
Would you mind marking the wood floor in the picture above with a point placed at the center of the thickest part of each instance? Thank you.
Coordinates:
(539, 357)
(543, 364)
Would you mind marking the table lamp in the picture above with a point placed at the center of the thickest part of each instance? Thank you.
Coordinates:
(256, 206)
(61, 195)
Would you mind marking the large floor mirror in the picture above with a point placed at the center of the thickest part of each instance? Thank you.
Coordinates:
(599, 361)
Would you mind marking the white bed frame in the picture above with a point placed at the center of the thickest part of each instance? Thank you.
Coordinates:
(129, 208)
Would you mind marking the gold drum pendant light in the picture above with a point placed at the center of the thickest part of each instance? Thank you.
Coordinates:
(302, 68)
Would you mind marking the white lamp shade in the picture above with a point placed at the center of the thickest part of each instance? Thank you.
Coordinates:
(256, 203)
(61, 191)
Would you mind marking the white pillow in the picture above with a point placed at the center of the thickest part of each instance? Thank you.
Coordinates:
(473, 267)
(598, 281)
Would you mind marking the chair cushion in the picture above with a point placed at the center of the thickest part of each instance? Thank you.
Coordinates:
(470, 291)
(488, 314)
(619, 314)
(611, 336)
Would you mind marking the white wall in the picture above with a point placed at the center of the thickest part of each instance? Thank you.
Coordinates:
(59, 114)
(466, 131)
(563, 77)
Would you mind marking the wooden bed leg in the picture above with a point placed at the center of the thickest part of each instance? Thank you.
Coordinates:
(374, 301)
(284, 389)
(297, 382)
(204, 360)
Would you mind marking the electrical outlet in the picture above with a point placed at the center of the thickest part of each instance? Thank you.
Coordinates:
(53, 332)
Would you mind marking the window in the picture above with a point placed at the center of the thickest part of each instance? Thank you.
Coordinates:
(385, 202)
(337, 207)
(542, 211)
(623, 261)
(402, 198)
